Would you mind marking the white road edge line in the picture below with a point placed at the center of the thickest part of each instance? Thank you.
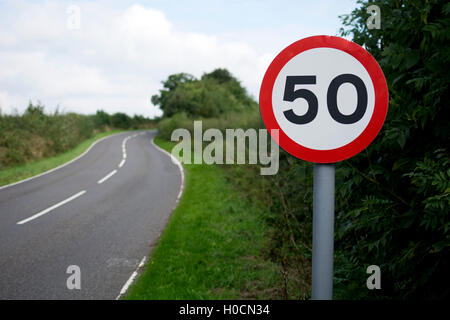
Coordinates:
(180, 167)
(121, 163)
(131, 279)
(37, 215)
(60, 166)
(109, 175)
(177, 163)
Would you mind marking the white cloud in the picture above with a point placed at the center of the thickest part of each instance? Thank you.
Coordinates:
(115, 61)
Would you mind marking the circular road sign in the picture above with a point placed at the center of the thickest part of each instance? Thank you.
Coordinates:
(327, 96)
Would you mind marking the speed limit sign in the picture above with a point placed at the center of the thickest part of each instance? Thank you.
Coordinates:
(327, 96)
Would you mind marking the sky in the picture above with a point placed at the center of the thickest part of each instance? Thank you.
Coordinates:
(82, 56)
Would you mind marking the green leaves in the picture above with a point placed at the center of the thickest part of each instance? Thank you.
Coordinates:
(216, 93)
(400, 213)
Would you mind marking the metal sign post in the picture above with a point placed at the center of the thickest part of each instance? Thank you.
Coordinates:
(323, 232)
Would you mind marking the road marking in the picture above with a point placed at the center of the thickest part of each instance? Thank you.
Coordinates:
(37, 215)
(121, 163)
(131, 279)
(178, 164)
(109, 175)
(124, 149)
(60, 166)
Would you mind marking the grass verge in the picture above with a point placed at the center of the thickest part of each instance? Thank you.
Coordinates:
(212, 246)
(17, 173)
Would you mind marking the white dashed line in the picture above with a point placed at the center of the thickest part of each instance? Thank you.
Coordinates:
(37, 215)
(61, 166)
(109, 175)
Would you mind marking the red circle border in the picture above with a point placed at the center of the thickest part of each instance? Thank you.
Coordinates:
(375, 123)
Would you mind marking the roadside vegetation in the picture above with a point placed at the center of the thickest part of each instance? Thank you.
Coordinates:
(211, 248)
(27, 170)
(34, 141)
(392, 200)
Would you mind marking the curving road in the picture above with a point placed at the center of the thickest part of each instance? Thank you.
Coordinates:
(102, 213)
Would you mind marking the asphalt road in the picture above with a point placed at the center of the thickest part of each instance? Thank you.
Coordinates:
(48, 223)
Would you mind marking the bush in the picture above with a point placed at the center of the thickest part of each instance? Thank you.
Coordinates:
(34, 135)
(102, 119)
(215, 94)
(120, 120)
(394, 203)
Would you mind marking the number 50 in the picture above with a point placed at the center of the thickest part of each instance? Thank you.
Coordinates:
(290, 94)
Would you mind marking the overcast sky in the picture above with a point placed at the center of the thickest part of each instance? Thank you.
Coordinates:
(118, 54)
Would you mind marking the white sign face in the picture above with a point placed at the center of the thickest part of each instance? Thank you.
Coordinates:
(327, 96)
(323, 132)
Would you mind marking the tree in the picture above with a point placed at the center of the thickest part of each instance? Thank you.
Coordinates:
(394, 203)
(120, 120)
(220, 75)
(216, 93)
(170, 85)
(36, 109)
(101, 119)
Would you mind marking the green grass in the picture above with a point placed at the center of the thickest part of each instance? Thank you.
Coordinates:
(17, 173)
(212, 246)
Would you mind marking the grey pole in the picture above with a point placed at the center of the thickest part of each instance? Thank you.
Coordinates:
(323, 232)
